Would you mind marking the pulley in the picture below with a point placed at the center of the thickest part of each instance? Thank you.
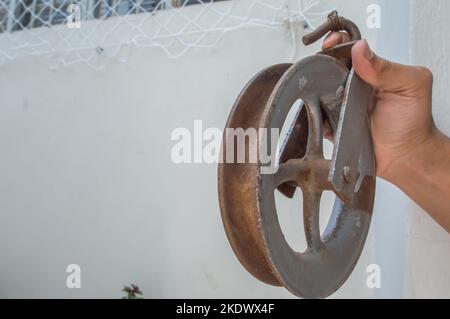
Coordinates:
(330, 92)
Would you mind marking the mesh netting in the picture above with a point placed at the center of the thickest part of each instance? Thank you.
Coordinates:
(71, 31)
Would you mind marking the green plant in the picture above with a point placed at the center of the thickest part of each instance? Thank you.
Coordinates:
(132, 292)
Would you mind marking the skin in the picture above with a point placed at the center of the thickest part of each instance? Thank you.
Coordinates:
(410, 150)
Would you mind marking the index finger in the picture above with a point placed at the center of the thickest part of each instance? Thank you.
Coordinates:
(335, 38)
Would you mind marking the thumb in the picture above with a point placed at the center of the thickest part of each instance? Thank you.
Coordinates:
(381, 73)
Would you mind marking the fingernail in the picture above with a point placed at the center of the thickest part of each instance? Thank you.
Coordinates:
(368, 54)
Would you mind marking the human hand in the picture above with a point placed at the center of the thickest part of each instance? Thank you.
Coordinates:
(401, 120)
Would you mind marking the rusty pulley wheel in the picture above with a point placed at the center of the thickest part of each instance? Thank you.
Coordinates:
(330, 92)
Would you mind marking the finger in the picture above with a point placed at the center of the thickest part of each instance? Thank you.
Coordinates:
(335, 38)
(386, 75)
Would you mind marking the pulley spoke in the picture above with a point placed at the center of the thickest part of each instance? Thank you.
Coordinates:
(315, 134)
(309, 174)
(291, 171)
(311, 208)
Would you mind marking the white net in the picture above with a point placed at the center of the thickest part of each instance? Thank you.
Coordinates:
(72, 31)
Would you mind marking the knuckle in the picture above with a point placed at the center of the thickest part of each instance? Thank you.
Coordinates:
(425, 75)
(386, 66)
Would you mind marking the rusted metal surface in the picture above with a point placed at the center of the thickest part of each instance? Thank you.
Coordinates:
(294, 147)
(341, 52)
(239, 183)
(334, 23)
(330, 92)
(353, 137)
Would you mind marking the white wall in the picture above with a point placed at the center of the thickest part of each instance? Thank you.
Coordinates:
(428, 257)
(86, 176)
(391, 205)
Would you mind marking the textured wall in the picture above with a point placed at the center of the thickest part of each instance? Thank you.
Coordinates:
(428, 257)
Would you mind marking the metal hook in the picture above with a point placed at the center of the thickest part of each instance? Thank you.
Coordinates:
(334, 23)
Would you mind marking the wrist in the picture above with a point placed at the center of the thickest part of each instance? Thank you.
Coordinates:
(424, 155)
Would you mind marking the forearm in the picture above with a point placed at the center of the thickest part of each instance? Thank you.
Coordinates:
(425, 177)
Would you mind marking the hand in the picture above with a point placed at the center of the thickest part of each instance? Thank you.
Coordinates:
(401, 120)
(411, 152)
